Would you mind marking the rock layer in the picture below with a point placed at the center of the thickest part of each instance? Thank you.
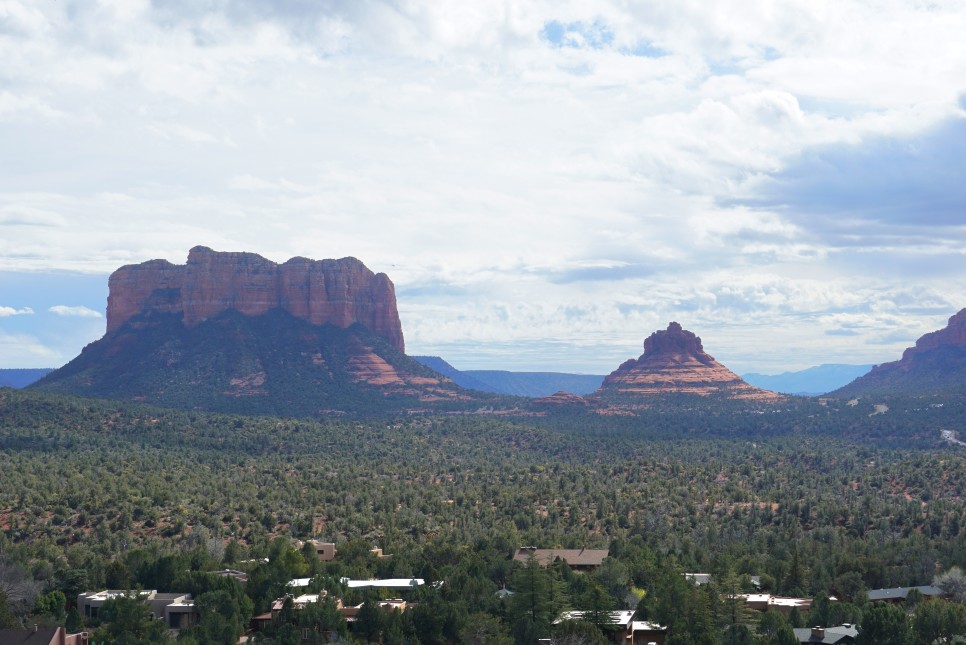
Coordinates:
(336, 292)
(674, 362)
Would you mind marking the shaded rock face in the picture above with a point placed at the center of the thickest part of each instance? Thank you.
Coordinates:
(269, 364)
(337, 292)
(953, 334)
(936, 363)
(674, 362)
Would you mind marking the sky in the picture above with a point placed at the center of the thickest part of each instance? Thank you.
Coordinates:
(545, 182)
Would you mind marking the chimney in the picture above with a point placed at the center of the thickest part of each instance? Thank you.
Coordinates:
(818, 632)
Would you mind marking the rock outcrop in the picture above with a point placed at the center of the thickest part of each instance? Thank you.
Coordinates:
(674, 362)
(337, 292)
(237, 333)
(561, 399)
(952, 335)
(937, 363)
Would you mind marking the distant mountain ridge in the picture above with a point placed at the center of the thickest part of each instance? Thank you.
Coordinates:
(19, 378)
(528, 384)
(809, 382)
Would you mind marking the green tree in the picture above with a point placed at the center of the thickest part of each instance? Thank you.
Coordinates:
(7, 620)
(795, 581)
(733, 610)
(884, 624)
(52, 604)
(484, 629)
(531, 597)
(938, 620)
(578, 632)
(773, 628)
(371, 620)
(597, 606)
(129, 622)
(73, 623)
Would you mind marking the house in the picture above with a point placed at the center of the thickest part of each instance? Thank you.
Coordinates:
(645, 633)
(898, 594)
(300, 602)
(351, 613)
(177, 610)
(325, 550)
(622, 627)
(576, 559)
(765, 601)
(843, 634)
(42, 636)
(698, 578)
(704, 578)
(385, 583)
(240, 576)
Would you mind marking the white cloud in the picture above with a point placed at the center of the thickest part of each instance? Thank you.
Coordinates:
(542, 167)
(79, 311)
(6, 312)
(25, 351)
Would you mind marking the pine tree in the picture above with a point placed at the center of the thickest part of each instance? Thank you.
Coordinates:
(531, 598)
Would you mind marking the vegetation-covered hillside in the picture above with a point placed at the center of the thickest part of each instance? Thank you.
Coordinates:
(813, 499)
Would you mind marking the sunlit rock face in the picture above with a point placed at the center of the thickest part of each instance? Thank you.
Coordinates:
(674, 362)
(337, 292)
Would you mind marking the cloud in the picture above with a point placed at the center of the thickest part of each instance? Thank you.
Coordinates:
(583, 172)
(25, 351)
(10, 311)
(77, 311)
(909, 181)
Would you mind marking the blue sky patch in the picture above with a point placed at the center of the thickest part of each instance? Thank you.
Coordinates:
(578, 35)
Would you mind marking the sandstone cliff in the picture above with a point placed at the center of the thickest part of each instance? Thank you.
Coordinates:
(337, 292)
(674, 362)
(936, 363)
(953, 334)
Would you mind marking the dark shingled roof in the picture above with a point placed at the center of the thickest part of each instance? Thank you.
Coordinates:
(44, 636)
(897, 593)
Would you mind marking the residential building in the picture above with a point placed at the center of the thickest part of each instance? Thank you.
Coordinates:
(842, 635)
(42, 636)
(325, 550)
(622, 628)
(384, 583)
(576, 559)
(898, 594)
(177, 610)
(765, 601)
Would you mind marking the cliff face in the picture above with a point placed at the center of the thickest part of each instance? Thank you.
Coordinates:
(953, 334)
(936, 363)
(337, 292)
(674, 362)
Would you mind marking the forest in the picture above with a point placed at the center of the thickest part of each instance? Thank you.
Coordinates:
(817, 499)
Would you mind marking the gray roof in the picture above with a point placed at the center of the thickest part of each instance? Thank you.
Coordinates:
(832, 634)
(43, 636)
(900, 593)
